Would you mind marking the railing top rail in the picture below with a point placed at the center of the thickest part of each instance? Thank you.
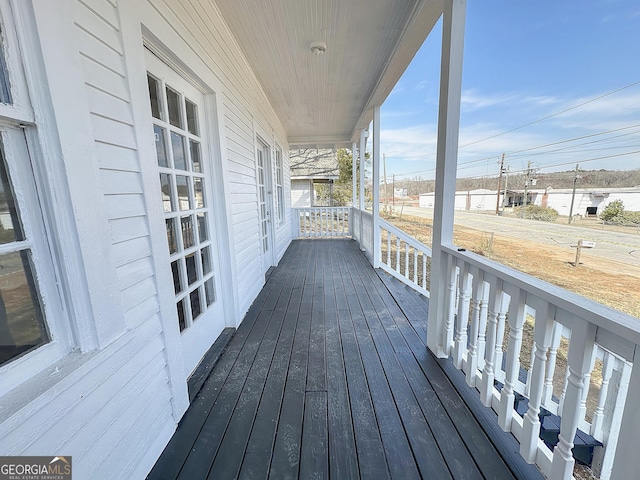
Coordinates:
(625, 327)
(404, 236)
(321, 208)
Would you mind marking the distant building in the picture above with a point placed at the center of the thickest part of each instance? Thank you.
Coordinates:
(400, 192)
(310, 167)
(471, 200)
(587, 201)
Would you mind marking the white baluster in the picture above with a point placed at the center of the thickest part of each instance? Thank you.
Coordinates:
(542, 340)
(462, 318)
(397, 254)
(583, 424)
(388, 262)
(532, 356)
(598, 416)
(517, 316)
(496, 303)
(406, 260)
(497, 365)
(424, 270)
(482, 330)
(415, 265)
(450, 309)
(579, 360)
(547, 390)
(564, 391)
(476, 300)
(608, 462)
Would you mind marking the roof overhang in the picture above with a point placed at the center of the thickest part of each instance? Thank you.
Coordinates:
(324, 100)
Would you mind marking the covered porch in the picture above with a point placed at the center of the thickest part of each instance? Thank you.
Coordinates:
(329, 376)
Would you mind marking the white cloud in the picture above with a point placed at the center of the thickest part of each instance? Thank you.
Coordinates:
(485, 133)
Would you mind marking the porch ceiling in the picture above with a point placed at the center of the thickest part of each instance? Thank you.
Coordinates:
(323, 100)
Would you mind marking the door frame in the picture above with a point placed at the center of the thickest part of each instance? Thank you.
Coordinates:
(268, 257)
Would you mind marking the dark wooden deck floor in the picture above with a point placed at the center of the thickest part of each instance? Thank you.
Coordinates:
(329, 377)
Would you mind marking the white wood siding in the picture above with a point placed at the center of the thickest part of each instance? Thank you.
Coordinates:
(108, 407)
(300, 193)
(113, 409)
(101, 50)
(243, 101)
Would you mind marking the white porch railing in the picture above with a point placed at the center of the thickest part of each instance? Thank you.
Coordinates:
(363, 230)
(488, 307)
(321, 222)
(404, 257)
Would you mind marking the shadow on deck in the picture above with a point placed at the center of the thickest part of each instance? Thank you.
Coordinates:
(329, 377)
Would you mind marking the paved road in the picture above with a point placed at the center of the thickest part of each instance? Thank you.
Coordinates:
(621, 247)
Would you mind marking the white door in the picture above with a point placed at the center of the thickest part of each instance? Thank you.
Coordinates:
(187, 186)
(265, 202)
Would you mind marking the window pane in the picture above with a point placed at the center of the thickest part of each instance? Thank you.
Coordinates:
(22, 325)
(171, 235)
(161, 146)
(206, 260)
(177, 282)
(173, 105)
(210, 291)
(196, 310)
(192, 268)
(192, 117)
(187, 232)
(5, 91)
(197, 192)
(184, 200)
(179, 154)
(10, 227)
(202, 227)
(181, 317)
(195, 156)
(168, 202)
(154, 96)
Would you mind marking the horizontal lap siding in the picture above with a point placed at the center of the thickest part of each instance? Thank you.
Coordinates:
(245, 219)
(242, 101)
(108, 412)
(111, 408)
(101, 52)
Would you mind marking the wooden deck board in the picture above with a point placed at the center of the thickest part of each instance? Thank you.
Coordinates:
(329, 377)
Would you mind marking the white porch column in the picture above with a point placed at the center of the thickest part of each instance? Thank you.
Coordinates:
(354, 174)
(361, 150)
(354, 183)
(446, 164)
(376, 187)
(625, 464)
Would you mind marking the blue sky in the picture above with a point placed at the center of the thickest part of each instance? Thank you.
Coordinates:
(524, 61)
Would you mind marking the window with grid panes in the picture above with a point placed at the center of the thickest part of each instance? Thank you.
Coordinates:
(279, 187)
(26, 268)
(186, 208)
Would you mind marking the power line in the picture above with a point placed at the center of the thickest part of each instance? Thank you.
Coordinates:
(581, 161)
(524, 170)
(553, 114)
(553, 143)
(471, 162)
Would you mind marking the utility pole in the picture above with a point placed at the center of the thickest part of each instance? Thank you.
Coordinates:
(384, 167)
(573, 198)
(526, 185)
(393, 186)
(504, 197)
(500, 184)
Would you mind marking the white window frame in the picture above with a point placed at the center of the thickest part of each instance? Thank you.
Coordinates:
(175, 215)
(25, 163)
(278, 197)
